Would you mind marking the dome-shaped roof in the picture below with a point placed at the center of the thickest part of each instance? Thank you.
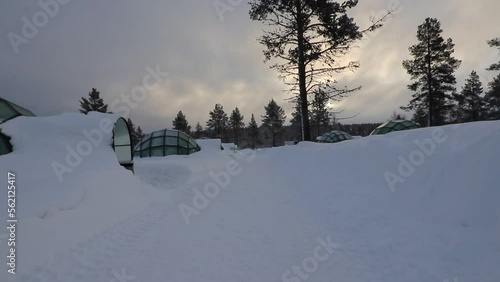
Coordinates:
(394, 125)
(9, 110)
(5, 146)
(165, 142)
(334, 137)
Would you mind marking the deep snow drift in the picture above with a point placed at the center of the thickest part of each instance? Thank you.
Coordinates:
(420, 205)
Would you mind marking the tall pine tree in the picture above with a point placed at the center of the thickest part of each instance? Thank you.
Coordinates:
(420, 116)
(139, 133)
(253, 133)
(494, 43)
(180, 123)
(274, 120)
(218, 122)
(198, 133)
(136, 133)
(320, 117)
(94, 103)
(308, 39)
(469, 105)
(236, 123)
(432, 70)
(492, 97)
(131, 128)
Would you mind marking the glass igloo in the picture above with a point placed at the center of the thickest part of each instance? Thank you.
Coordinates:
(5, 146)
(334, 137)
(394, 125)
(164, 143)
(9, 110)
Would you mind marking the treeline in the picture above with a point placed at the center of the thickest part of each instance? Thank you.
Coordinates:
(306, 40)
(233, 128)
(268, 131)
(228, 128)
(435, 100)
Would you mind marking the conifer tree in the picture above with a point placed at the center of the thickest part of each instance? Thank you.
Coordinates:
(432, 70)
(198, 131)
(94, 103)
(494, 43)
(274, 120)
(469, 105)
(492, 97)
(180, 123)
(308, 39)
(218, 122)
(320, 117)
(236, 123)
(139, 133)
(253, 133)
(296, 122)
(136, 133)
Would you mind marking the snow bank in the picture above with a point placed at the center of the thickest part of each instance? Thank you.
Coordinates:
(230, 147)
(419, 205)
(69, 182)
(209, 144)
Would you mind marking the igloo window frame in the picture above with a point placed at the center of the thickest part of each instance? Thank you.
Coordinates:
(122, 144)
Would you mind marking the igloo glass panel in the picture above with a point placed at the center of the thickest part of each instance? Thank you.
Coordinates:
(123, 154)
(121, 133)
(158, 141)
(170, 151)
(158, 133)
(157, 152)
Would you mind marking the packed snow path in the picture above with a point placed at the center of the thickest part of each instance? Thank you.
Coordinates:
(312, 212)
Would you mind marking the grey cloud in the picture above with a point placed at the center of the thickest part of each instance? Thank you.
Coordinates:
(108, 44)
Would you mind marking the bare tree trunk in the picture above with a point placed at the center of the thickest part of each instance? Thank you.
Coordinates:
(306, 131)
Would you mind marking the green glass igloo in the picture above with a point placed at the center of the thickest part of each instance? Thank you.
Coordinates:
(394, 125)
(164, 143)
(334, 137)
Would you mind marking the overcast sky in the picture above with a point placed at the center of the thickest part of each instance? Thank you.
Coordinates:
(211, 59)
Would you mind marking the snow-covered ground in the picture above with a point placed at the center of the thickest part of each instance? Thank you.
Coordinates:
(420, 205)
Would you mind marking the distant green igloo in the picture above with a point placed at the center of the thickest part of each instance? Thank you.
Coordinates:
(164, 143)
(334, 137)
(394, 125)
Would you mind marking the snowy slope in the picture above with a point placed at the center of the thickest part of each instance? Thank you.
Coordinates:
(311, 212)
(54, 212)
